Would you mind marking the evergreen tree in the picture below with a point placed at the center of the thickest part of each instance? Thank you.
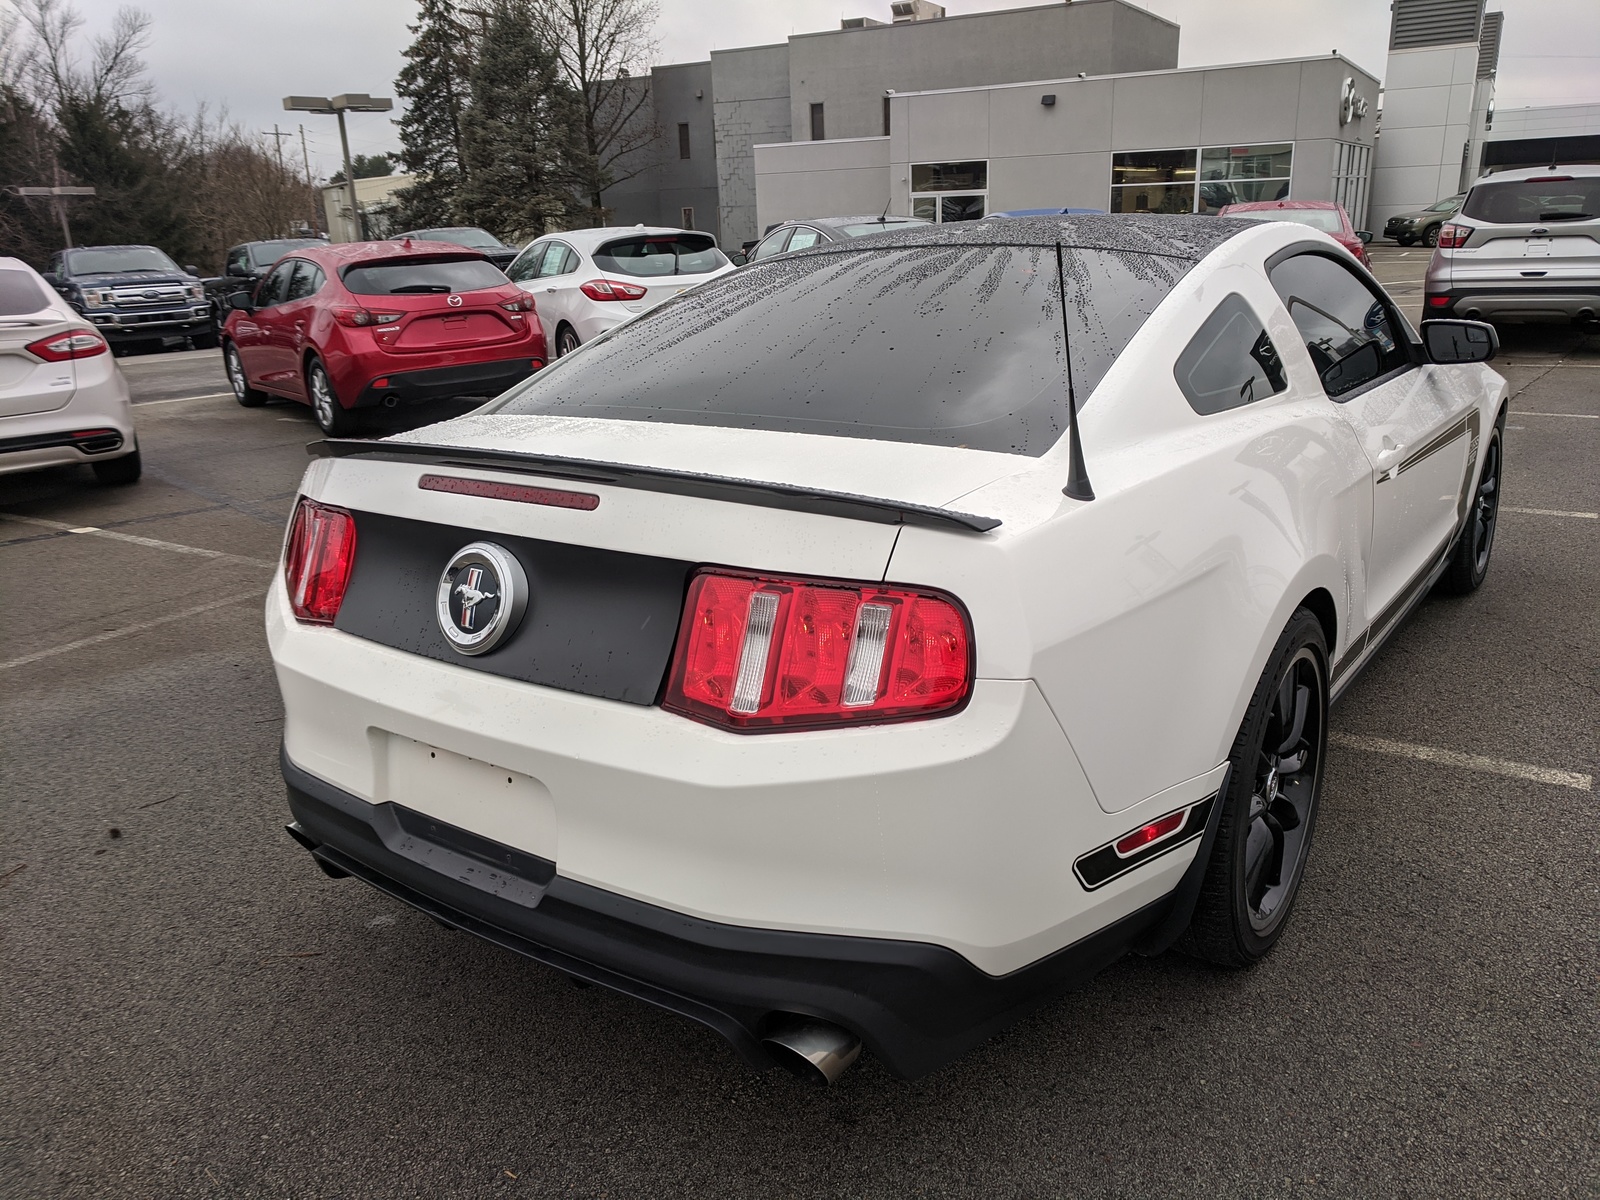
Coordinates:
(522, 135)
(435, 81)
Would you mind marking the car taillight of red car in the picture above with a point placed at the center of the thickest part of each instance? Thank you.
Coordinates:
(317, 561)
(762, 654)
(361, 317)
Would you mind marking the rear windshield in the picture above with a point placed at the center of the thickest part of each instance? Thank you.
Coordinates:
(1531, 201)
(666, 254)
(20, 293)
(1324, 219)
(944, 346)
(114, 259)
(423, 276)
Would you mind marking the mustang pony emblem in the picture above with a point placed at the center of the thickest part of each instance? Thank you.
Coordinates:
(471, 596)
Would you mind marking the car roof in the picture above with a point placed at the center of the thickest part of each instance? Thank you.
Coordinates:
(589, 238)
(127, 246)
(1269, 205)
(1189, 237)
(338, 254)
(1577, 170)
(1048, 212)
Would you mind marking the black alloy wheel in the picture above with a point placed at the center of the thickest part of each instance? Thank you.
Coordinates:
(1430, 235)
(1270, 809)
(1469, 565)
(566, 341)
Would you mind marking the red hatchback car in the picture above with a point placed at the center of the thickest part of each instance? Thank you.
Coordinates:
(1319, 214)
(366, 324)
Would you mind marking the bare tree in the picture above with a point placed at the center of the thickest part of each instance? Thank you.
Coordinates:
(606, 48)
(115, 74)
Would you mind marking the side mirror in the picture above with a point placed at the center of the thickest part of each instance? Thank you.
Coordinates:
(50, 278)
(738, 258)
(191, 269)
(1365, 235)
(1460, 341)
(240, 302)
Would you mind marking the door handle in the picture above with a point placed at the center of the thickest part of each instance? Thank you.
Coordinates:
(550, 290)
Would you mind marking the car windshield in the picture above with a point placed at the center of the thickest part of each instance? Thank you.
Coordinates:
(464, 235)
(111, 260)
(867, 228)
(943, 346)
(264, 254)
(20, 293)
(422, 276)
(1325, 219)
(1530, 201)
(660, 254)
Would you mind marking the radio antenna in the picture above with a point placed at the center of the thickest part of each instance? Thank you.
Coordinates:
(1077, 474)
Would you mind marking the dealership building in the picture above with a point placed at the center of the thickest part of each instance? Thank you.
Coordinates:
(1069, 104)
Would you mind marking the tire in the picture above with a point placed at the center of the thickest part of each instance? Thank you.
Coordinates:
(566, 341)
(1270, 810)
(117, 471)
(204, 341)
(333, 418)
(1430, 236)
(1469, 562)
(238, 380)
(1405, 241)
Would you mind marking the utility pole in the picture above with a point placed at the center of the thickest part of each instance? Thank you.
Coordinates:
(338, 106)
(277, 141)
(305, 157)
(55, 194)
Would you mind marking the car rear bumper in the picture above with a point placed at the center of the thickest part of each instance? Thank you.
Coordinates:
(1522, 301)
(913, 1004)
(444, 383)
(99, 406)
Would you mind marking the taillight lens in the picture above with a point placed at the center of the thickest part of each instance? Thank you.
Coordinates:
(612, 289)
(364, 316)
(1451, 236)
(78, 343)
(757, 653)
(522, 304)
(317, 561)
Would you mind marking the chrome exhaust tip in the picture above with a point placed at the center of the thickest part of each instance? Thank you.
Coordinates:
(814, 1050)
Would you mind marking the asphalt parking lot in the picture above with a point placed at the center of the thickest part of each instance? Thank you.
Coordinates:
(190, 1008)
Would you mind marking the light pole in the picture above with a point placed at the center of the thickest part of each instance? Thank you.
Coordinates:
(61, 209)
(338, 106)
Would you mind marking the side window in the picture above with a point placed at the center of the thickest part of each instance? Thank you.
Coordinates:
(570, 263)
(771, 245)
(307, 279)
(274, 287)
(555, 260)
(1347, 328)
(238, 262)
(526, 265)
(1230, 361)
(804, 238)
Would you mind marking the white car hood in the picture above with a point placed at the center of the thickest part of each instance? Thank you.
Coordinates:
(903, 472)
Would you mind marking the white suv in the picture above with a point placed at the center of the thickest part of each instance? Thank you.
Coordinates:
(591, 280)
(1524, 247)
(62, 399)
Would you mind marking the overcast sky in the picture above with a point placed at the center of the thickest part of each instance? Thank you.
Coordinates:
(248, 56)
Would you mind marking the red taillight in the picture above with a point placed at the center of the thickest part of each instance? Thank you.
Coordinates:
(75, 343)
(522, 304)
(1153, 832)
(612, 289)
(758, 653)
(364, 316)
(1451, 236)
(1438, 301)
(317, 561)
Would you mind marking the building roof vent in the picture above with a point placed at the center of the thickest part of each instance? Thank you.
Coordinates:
(860, 23)
(1418, 23)
(906, 11)
(1489, 44)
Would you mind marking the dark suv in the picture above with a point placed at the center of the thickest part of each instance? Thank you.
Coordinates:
(133, 294)
(243, 267)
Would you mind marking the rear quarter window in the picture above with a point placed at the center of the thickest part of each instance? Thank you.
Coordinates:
(422, 276)
(1230, 361)
(20, 294)
(668, 254)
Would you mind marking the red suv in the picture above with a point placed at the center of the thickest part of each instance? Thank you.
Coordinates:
(354, 326)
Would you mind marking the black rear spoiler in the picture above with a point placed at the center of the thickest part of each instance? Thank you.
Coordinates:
(656, 479)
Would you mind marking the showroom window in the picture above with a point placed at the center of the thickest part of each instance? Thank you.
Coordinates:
(1244, 174)
(952, 191)
(1153, 181)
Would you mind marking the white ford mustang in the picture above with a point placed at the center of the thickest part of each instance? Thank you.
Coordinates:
(798, 657)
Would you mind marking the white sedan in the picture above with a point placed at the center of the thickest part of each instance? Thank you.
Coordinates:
(801, 658)
(591, 280)
(62, 399)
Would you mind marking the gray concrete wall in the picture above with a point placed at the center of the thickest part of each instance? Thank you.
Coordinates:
(1061, 155)
(1427, 120)
(849, 70)
(750, 105)
(665, 184)
(795, 180)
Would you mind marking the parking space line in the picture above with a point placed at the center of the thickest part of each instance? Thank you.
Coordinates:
(1469, 762)
(181, 399)
(1551, 512)
(140, 627)
(1574, 416)
(153, 543)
